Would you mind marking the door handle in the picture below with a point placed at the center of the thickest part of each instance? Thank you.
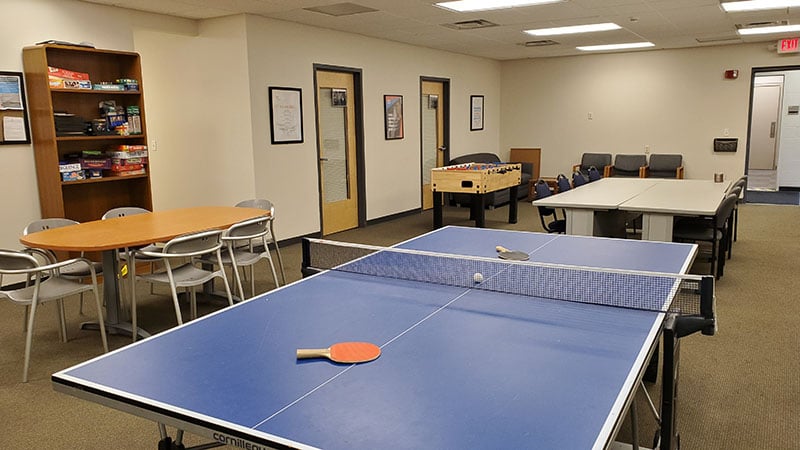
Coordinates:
(442, 148)
(772, 130)
(323, 159)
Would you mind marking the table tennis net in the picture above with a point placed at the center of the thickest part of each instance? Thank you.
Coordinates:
(651, 291)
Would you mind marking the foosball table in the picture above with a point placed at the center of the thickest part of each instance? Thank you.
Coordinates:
(476, 179)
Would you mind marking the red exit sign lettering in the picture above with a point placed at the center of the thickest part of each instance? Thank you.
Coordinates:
(791, 45)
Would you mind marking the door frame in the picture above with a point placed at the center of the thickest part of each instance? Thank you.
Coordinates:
(358, 105)
(444, 103)
(753, 72)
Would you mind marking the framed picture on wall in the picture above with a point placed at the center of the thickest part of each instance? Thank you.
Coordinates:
(393, 116)
(476, 112)
(13, 119)
(286, 115)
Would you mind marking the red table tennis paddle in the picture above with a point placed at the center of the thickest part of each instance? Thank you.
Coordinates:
(343, 352)
(513, 255)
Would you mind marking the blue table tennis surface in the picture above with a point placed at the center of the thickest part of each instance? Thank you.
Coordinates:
(460, 368)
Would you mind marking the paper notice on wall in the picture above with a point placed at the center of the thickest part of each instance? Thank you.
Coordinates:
(14, 129)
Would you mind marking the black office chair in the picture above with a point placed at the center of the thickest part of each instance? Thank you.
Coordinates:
(578, 179)
(563, 183)
(556, 225)
(742, 184)
(594, 174)
(602, 161)
(714, 230)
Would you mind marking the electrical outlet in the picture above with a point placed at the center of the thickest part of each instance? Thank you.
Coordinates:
(153, 145)
(647, 149)
(589, 116)
(726, 132)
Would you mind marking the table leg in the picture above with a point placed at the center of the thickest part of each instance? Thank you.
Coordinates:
(437, 210)
(111, 299)
(657, 227)
(479, 205)
(512, 204)
(580, 222)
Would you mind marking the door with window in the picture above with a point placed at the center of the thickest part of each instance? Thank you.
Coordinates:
(336, 131)
(433, 106)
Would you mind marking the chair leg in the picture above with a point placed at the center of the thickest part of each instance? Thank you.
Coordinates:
(134, 316)
(192, 304)
(277, 251)
(175, 302)
(62, 321)
(28, 341)
(714, 261)
(100, 319)
(274, 274)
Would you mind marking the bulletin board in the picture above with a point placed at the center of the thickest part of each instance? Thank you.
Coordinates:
(14, 127)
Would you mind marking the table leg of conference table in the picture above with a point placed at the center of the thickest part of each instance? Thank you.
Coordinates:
(111, 299)
(657, 227)
(580, 222)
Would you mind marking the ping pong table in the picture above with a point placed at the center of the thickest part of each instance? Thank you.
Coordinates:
(460, 367)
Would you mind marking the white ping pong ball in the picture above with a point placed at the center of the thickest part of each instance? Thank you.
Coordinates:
(478, 277)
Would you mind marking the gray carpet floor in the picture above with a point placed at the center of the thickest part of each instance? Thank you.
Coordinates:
(739, 389)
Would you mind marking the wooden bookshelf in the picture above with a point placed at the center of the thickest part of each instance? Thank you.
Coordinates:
(81, 200)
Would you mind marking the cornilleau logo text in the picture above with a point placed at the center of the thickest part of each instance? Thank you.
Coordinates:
(236, 442)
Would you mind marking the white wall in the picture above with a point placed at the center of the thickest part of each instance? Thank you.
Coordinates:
(283, 54)
(197, 102)
(26, 22)
(675, 101)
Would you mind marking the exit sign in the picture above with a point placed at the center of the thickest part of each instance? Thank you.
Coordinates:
(789, 45)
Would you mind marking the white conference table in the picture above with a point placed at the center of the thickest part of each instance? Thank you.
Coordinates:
(659, 200)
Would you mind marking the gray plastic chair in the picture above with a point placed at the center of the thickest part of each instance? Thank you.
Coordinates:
(249, 231)
(180, 273)
(129, 255)
(47, 285)
(267, 205)
(74, 271)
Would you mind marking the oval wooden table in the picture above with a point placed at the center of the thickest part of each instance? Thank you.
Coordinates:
(107, 236)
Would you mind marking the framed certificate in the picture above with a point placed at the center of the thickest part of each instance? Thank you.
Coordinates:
(476, 112)
(286, 115)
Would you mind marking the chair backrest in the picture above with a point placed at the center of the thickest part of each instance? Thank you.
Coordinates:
(664, 165)
(46, 224)
(124, 211)
(628, 165)
(260, 203)
(247, 229)
(594, 174)
(542, 189)
(725, 209)
(563, 183)
(740, 183)
(578, 179)
(194, 244)
(12, 261)
(595, 159)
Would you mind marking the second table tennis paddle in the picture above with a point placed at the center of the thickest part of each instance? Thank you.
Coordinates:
(343, 352)
(513, 255)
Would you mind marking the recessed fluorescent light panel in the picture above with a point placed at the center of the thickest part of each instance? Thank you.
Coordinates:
(768, 30)
(628, 46)
(757, 5)
(574, 29)
(483, 5)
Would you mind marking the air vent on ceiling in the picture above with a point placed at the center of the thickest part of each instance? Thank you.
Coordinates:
(774, 23)
(470, 24)
(717, 39)
(540, 43)
(341, 9)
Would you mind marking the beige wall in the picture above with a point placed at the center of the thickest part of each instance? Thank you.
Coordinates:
(198, 114)
(26, 22)
(287, 174)
(675, 101)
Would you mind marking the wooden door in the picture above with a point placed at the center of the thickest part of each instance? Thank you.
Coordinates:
(336, 131)
(432, 106)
